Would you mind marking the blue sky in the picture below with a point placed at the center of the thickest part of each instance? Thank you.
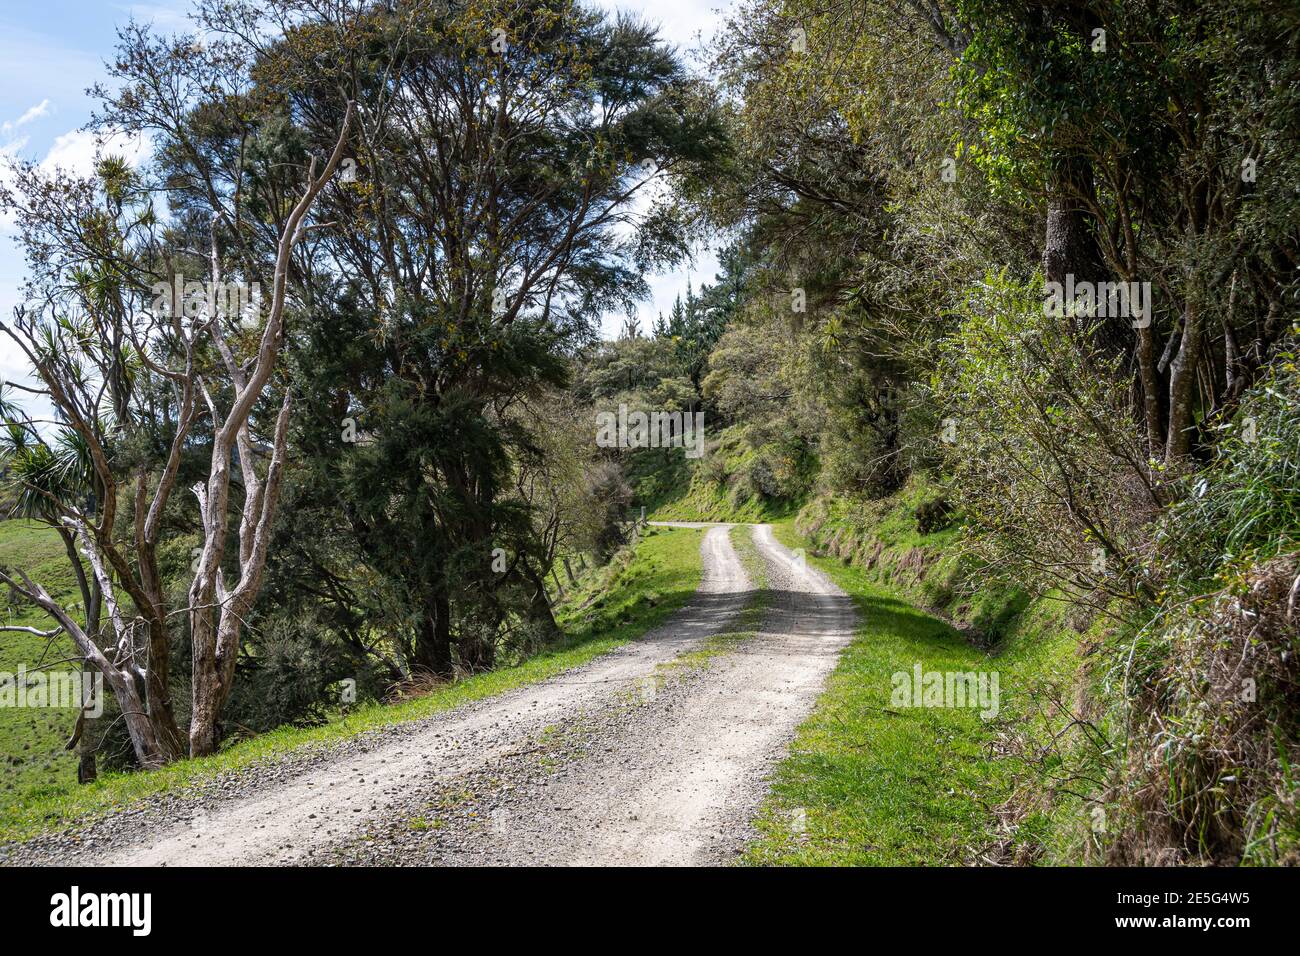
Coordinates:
(51, 51)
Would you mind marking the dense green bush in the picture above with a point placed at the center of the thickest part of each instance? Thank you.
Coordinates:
(1038, 440)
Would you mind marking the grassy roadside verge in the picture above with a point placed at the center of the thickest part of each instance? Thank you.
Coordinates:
(611, 607)
(869, 783)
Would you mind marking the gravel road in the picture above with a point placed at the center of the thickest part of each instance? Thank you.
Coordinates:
(653, 754)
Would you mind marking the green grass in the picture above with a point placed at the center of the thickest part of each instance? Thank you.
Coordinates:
(705, 500)
(638, 588)
(675, 488)
(881, 785)
(881, 537)
(32, 739)
(614, 605)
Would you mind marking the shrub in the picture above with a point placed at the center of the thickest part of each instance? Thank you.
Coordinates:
(1037, 432)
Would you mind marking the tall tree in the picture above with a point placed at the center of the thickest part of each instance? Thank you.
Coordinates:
(133, 355)
(501, 153)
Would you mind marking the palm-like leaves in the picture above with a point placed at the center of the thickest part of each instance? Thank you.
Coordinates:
(47, 475)
(48, 472)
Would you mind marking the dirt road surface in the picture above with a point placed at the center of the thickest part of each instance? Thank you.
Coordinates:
(655, 753)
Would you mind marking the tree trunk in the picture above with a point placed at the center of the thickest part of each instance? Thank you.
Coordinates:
(477, 648)
(1153, 409)
(158, 677)
(217, 612)
(1182, 382)
(1070, 246)
(158, 693)
(136, 719)
(539, 606)
(433, 642)
(92, 600)
(204, 705)
(87, 743)
(121, 673)
(87, 772)
(83, 737)
(478, 653)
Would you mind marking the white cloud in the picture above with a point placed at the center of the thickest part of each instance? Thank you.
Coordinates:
(11, 149)
(682, 23)
(36, 112)
(76, 151)
(9, 154)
